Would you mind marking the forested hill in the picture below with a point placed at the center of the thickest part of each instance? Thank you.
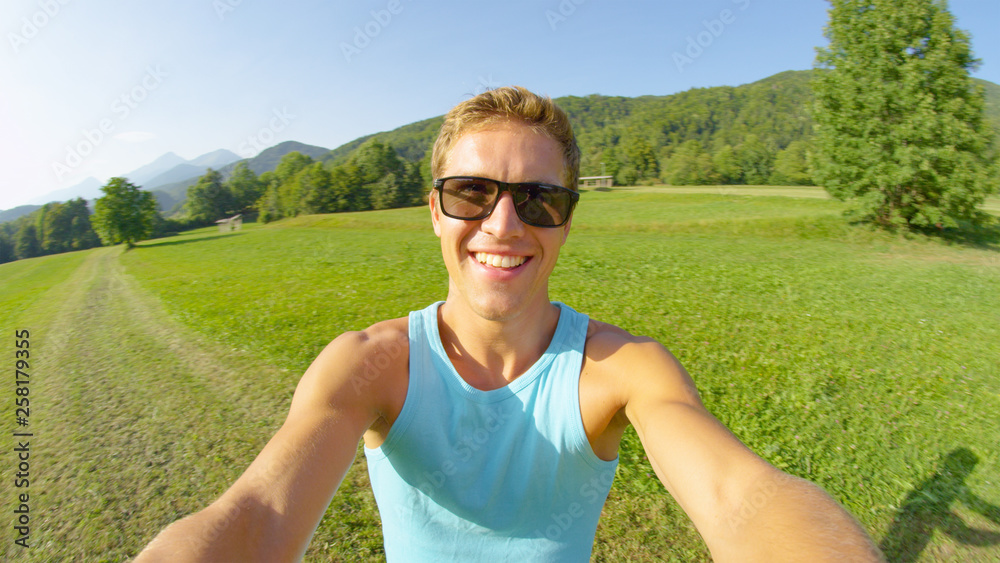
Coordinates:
(741, 133)
(619, 131)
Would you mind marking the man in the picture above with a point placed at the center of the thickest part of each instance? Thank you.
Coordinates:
(492, 420)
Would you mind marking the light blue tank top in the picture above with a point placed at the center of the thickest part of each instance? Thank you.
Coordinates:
(500, 475)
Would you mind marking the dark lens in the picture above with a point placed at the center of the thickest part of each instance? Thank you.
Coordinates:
(543, 206)
(468, 198)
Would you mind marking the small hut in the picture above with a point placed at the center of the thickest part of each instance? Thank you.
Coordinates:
(233, 223)
(596, 182)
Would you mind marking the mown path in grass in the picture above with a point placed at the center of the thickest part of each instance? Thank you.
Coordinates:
(138, 422)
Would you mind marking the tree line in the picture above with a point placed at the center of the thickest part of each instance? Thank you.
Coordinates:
(373, 177)
(54, 228)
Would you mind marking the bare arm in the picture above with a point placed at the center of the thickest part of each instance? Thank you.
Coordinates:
(273, 509)
(744, 508)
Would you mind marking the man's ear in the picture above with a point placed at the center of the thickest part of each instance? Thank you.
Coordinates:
(435, 212)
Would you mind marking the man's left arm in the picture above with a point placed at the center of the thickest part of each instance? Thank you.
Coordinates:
(744, 508)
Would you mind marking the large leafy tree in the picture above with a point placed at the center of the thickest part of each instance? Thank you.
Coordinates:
(66, 226)
(26, 244)
(244, 186)
(282, 193)
(209, 200)
(125, 213)
(899, 124)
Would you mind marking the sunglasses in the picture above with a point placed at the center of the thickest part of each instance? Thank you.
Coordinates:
(540, 205)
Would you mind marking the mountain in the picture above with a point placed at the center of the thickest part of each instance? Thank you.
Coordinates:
(87, 189)
(16, 212)
(164, 201)
(412, 141)
(178, 173)
(775, 110)
(266, 161)
(192, 168)
(142, 175)
(215, 159)
(991, 93)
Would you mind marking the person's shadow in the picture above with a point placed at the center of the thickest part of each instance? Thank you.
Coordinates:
(928, 508)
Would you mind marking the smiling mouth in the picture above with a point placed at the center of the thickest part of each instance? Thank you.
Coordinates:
(500, 260)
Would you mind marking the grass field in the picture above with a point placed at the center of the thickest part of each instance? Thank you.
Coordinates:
(866, 362)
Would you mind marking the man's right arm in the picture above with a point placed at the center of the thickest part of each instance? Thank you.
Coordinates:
(273, 509)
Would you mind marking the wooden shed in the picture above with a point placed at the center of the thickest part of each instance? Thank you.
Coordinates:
(233, 223)
(596, 182)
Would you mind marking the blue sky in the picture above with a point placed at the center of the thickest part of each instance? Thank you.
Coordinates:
(127, 82)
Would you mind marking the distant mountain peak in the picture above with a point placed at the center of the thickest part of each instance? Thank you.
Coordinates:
(215, 159)
(87, 189)
(143, 174)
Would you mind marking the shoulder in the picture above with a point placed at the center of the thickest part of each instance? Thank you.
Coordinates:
(606, 339)
(636, 367)
(385, 340)
(361, 365)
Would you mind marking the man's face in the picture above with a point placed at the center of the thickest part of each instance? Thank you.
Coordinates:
(476, 252)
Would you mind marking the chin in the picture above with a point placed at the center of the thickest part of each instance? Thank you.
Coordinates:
(499, 308)
(497, 312)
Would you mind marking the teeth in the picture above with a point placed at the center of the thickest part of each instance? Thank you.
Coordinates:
(498, 261)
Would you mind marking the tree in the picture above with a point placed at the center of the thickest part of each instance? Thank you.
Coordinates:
(386, 178)
(125, 213)
(290, 165)
(63, 227)
(6, 248)
(244, 187)
(791, 165)
(209, 199)
(900, 131)
(726, 166)
(691, 165)
(345, 194)
(282, 189)
(26, 243)
(642, 158)
(315, 184)
(754, 158)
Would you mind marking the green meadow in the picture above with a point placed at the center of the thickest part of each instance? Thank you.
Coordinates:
(866, 362)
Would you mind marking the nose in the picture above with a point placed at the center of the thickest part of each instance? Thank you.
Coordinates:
(503, 222)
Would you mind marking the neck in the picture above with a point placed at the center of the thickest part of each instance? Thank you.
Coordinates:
(488, 353)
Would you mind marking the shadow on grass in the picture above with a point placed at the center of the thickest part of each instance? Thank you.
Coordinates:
(983, 237)
(195, 238)
(927, 508)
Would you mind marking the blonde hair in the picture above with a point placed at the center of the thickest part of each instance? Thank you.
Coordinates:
(508, 104)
